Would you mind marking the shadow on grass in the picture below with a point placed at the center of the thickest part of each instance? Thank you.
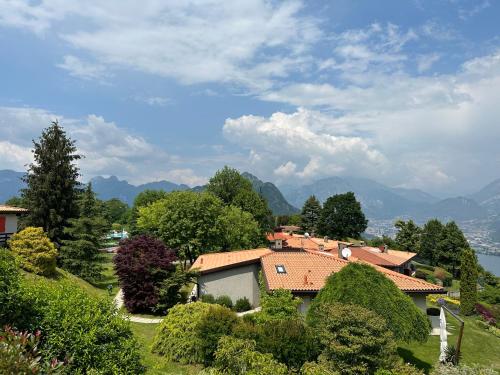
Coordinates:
(408, 356)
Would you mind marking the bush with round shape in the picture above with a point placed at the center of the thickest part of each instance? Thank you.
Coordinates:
(143, 264)
(36, 253)
(218, 321)
(290, 341)
(208, 298)
(87, 331)
(238, 357)
(353, 340)
(313, 368)
(177, 338)
(401, 369)
(224, 301)
(242, 304)
(361, 284)
(278, 305)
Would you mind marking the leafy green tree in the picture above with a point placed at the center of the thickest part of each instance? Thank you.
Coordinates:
(342, 217)
(310, 215)
(356, 283)
(408, 235)
(52, 186)
(239, 229)
(185, 220)
(16, 202)
(115, 211)
(468, 282)
(384, 240)
(79, 254)
(34, 250)
(432, 233)
(278, 305)
(353, 339)
(450, 247)
(143, 199)
(234, 189)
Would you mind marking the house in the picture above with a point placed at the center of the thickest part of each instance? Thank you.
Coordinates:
(303, 272)
(399, 261)
(8, 221)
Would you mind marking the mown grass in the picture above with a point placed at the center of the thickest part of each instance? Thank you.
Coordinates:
(108, 275)
(157, 364)
(478, 347)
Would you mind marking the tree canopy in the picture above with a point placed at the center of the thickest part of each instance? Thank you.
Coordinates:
(363, 285)
(310, 215)
(342, 217)
(52, 186)
(143, 199)
(408, 235)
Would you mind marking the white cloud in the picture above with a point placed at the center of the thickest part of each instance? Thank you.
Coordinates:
(425, 62)
(107, 148)
(306, 139)
(82, 69)
(246, 43)
(153, 101)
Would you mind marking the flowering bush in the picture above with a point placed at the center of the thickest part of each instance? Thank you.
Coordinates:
(19, 354)
(486, 314)
(435, 299)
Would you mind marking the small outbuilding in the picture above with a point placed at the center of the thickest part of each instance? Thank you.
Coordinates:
(8, 221)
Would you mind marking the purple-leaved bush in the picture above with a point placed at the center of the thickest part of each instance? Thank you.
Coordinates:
(142, 264)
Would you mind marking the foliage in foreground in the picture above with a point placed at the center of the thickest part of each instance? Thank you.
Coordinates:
(9, 287)
(86, 332)
(236, 356)
(353, 340)
(36, 253)
(363, 285)
(449, 369)
(19, 354)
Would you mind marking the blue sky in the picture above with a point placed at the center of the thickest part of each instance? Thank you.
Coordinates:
(405, 92)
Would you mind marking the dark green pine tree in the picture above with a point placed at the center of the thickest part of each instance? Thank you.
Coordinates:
(310, 215)
(342, 217)
(80, 252)
(51, 180)
(431, 235)
(449, 249)
(468, 282)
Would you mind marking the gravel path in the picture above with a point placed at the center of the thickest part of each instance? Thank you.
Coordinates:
(136, 319)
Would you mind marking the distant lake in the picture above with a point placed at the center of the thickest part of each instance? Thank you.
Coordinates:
(490, 263)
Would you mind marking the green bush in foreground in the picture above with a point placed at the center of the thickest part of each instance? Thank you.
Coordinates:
(35, 251)
(9, 287)
(207, 298)
(235, 356)
(353, 340)
(361, 284)
(242, 304)
(177, 338)
(313, 368)
(224, 301)
(87, 332)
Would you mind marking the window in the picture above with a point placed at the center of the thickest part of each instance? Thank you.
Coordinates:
(280, 268)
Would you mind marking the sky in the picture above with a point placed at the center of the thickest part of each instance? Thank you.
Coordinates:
(406, 92)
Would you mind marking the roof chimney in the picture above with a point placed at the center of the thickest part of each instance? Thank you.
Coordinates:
(325, 239)
(342, 246)
(201, 260)
(386, 249)
(321, 247)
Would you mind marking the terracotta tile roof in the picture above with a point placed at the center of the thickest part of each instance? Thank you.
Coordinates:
(308, 271)
(278, 236)
(4, 209)
(212, 262)
(374, 255)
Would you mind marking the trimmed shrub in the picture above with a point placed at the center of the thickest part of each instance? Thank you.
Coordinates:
(218, 321)
(468, 282)
(142, 265)
(224, 301)
(242, 304)
(419, 274)
(35, 251)
(238, 357)
(9, 288)
(401, 369)
(363, 285)
(19, 354)
(86, 331)
(278, 305)
(353, 340)
(208, 298)
(431, 279)
(289, 341)
(177, 338)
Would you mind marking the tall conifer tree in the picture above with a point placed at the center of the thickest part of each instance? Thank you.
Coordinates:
(310, 215)
(468, 282)
(80, 253)
(52, 185)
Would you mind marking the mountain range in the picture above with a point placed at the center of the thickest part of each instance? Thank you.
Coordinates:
(378, 201)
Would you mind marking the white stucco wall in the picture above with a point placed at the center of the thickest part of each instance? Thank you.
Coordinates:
(236, 283)
(419, 300)
(10, 223)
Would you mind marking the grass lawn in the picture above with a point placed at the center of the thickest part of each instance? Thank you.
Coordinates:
(109, 277)
(155, 363)
(478, 346)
